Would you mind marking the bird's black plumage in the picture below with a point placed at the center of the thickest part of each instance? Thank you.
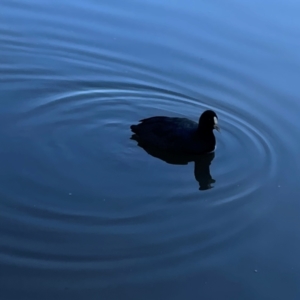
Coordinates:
(178, 135)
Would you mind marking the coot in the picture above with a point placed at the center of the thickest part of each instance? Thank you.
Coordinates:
(178, 135)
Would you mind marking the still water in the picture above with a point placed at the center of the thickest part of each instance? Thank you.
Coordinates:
(87, 214)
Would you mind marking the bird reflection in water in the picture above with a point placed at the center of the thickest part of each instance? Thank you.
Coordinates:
(201, 163)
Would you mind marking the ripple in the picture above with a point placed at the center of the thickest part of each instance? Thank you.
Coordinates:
(68, 188)
(74, 124)
(247, 154)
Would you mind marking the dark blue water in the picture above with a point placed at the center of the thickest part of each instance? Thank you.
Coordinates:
(87, 214)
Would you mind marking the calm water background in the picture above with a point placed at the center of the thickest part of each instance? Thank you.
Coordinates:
(87, 214)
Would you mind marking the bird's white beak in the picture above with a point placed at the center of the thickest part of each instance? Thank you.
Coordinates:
(216, 124)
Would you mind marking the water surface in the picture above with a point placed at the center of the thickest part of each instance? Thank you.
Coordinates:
(87, 214)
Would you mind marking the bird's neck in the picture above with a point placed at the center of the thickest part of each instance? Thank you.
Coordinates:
(204, 132)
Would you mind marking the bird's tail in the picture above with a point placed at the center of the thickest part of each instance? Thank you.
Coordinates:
(133, 128)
